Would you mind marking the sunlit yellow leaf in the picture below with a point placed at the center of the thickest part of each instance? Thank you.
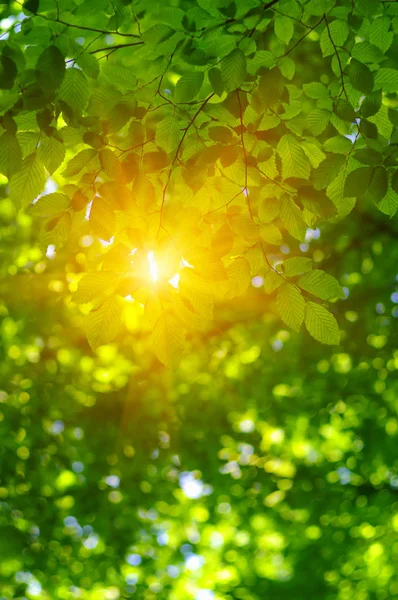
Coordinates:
(103, 323)
(238, 277)
(168, 339)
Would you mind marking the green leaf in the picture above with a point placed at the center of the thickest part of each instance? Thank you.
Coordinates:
(296, 266)
(368, 156)
(314, 153)
(284, 29)
(28, 182)
(367, 53)
(292, 218)
(102, 219)
(290, 111)
(93, 285)
(389, 204)
(79, 201)
(103, 101)
(188, 86)
(360, 76)
(262, 58)
(380, 35)
(315, 90)
(272, 281)
(316, 201)
(168, 339)
(268, 209)
(119, 75)
(368, 129)
(344, 110)
(157, 34)
(76, 164)
(238, 273)
(269, 90)
(378, 185)
(10, 154)
(393, 116)
(318, 120)
(93, 139)
(271, 234)
(32, 6)
(357, 182)
(294, 161)
(221, 134)
(75, 90)
(321, 284)
(50, 69)
(394, 181)
(56, 230)
(50, 205)
(103, 323)
(89, 65)
(168, 133)
(216, 80)
(8, 72)
(234, 70)
(244, 226)
(387, 80)
(51, 153)
(269, 122)
(321, 324)
(383, 124)
(335, 192)
(290, 305)
(371, 104)
(338, 31)
(28, 140)
(287, 67)
(367, 7)
(328, 170)
(338, 145)
(110, 164)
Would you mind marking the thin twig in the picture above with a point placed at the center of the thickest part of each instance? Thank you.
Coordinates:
(176, 157)
(293, 18)
(337, 56)
(224, 205)
(117, 47)
(303, 37)
(164, 73)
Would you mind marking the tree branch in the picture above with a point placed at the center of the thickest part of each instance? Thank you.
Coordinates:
(82, 27)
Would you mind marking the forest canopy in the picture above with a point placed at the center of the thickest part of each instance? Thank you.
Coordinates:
(198, 299)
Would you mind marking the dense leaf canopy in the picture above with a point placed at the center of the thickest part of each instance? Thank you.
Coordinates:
(207, 185)
(204, 135)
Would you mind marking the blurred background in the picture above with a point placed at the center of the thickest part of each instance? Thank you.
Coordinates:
(264, 466)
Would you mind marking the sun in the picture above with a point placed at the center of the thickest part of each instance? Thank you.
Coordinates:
(153, 267)
(156, 271)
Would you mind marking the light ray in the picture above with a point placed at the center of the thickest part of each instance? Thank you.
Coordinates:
(153, 267)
